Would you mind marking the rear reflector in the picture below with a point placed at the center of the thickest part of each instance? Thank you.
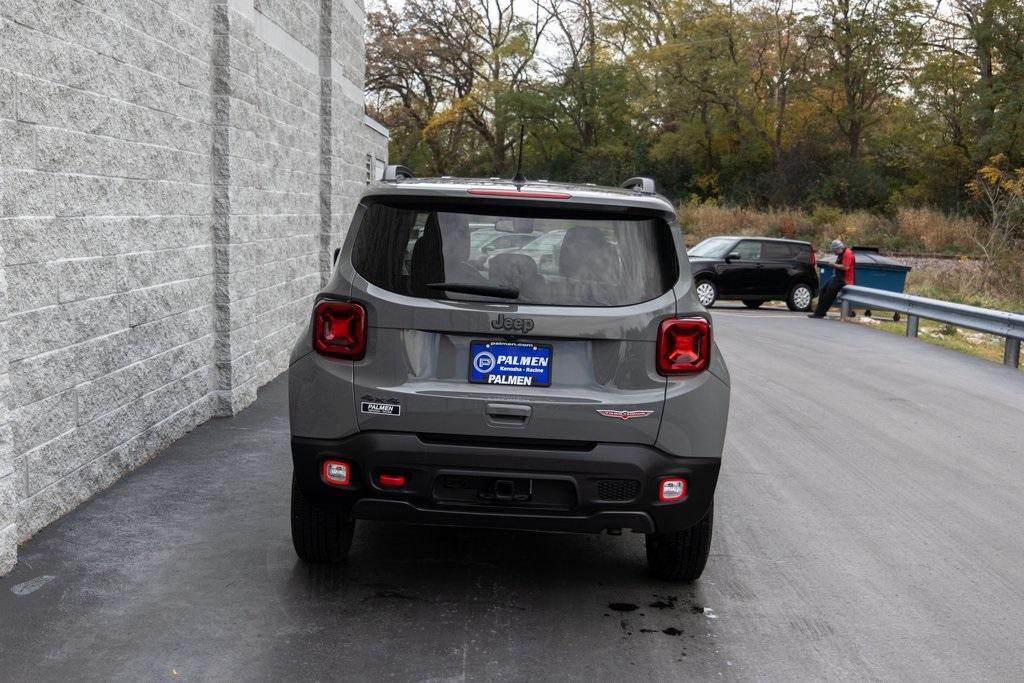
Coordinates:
(391, 480)
(524, 194)
(672, 489)
(336, 472)
(684, 345)
(339, 329)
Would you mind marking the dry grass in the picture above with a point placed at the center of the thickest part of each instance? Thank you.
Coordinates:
(965, 282)
(934, 231)
(910, 230)
(706, 220)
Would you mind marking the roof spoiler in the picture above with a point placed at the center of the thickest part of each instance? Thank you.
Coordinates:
(396, 172)
(641, 185)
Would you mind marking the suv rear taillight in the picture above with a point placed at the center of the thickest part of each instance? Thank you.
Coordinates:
(814, 257)
(336, 472)
(671, 489)
(684, 345)
(339, 329)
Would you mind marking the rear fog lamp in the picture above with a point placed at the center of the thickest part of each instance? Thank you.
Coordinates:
(336, 472)
(391, 480)
(671, 489)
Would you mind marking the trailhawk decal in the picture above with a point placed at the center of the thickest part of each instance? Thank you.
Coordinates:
(626, 414)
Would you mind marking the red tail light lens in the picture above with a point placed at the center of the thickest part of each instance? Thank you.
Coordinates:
(684, 345)
(814, 257)
(394, 481)
(339, 329)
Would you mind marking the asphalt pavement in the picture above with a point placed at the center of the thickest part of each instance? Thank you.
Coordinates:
(868, 526)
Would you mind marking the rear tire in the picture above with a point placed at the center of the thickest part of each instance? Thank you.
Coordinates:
(681, 555)
(753, 304)
(800, 297)
(319, 534)
(707, 293)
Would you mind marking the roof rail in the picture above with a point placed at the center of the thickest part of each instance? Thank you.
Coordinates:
(640, 184)
(395, 172)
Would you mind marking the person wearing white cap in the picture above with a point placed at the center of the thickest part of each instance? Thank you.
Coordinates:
(845, 267)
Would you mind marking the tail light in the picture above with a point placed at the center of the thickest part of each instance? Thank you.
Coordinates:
(336, 472)
(814, 257)
(339, 329)
(671, 489)
(684, 345)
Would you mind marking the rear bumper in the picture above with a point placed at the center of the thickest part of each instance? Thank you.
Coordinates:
(570, 487)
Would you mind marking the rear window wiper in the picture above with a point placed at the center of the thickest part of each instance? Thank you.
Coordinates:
(479, 290)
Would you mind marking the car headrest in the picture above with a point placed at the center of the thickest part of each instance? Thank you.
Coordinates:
(587, 254)
(512, 270)
(454, 236)
(426, 265)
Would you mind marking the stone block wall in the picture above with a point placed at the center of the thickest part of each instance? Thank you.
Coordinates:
(168, 188)
(8, 483)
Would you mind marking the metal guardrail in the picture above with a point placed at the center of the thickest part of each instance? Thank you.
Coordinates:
(1000, 323)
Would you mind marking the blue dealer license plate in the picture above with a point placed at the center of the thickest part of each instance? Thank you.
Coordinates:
(510, 363)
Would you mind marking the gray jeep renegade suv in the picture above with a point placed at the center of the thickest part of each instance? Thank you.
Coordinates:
(571, 384)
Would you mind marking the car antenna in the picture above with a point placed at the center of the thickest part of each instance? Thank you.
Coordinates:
(519, 178)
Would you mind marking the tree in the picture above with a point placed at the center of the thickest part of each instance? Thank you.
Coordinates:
(1000, 191)
(853, 103)
(450, 71)
(981, 42)
(421, 68)
(870, 49)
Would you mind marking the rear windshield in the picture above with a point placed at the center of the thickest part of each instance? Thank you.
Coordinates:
(548, 259)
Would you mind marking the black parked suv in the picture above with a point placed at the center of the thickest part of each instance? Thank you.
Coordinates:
(754, 270)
